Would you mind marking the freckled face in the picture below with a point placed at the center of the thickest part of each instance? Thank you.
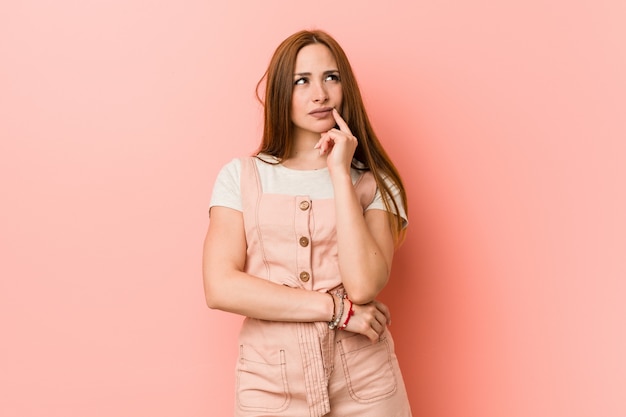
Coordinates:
(316, 90)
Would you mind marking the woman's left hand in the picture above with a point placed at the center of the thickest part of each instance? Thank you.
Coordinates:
(369, 319)
(339, 145)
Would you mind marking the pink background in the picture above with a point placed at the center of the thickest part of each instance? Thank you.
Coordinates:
(506, 119)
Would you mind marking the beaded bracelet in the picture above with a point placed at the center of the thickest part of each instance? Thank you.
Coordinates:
(333, 324)
(334, 307)
(350, 313)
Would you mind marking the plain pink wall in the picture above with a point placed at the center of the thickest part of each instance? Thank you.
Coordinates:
(507, 120)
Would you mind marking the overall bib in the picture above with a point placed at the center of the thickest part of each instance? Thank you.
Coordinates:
(306, 369)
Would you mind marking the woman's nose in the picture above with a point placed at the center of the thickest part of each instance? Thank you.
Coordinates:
(320, 94)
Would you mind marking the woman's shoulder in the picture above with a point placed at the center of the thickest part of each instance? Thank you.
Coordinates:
(231, 168)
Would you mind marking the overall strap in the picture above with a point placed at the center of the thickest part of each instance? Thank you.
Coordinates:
(250, 183)
(251, 193)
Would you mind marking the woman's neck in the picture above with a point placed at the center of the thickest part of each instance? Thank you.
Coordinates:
(303, 154)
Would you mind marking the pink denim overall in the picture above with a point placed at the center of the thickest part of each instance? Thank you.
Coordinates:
(305, 369)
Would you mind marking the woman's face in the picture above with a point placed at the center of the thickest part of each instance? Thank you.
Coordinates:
(316, 90)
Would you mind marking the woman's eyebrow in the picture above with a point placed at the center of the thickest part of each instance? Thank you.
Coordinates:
(300, 74)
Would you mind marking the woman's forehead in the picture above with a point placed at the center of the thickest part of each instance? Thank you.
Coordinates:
(315, 58)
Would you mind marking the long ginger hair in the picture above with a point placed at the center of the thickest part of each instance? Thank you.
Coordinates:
(278, 128)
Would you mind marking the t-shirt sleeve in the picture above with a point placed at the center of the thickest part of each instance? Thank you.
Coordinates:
(378, 203)
(227, 190)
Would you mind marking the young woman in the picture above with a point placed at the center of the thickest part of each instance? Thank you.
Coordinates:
(301, 241)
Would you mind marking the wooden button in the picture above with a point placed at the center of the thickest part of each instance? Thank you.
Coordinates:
(304, 276)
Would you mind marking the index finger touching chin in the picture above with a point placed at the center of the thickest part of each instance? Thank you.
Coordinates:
(343, 126)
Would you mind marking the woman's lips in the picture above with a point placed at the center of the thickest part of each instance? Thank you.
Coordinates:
(321, 113)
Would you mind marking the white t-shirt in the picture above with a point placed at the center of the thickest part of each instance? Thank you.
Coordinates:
(277, 179)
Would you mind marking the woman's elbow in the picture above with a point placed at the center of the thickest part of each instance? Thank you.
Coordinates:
(210, 299)
(212, 302)
(361, 299)
(211, 295)
(363, 294)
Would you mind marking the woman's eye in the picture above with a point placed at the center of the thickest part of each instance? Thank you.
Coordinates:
(332, 77)
(300, 81)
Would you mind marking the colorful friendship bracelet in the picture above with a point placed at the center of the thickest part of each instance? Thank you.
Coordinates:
(350, 313)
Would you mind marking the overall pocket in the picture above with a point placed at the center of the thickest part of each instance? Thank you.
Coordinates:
(368, 368)
(262, 381)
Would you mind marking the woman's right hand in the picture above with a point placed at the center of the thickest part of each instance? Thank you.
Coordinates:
(369, 319)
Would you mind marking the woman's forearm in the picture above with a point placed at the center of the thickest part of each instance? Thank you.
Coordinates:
(240, 293)
(364, 254)
(230, 289)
